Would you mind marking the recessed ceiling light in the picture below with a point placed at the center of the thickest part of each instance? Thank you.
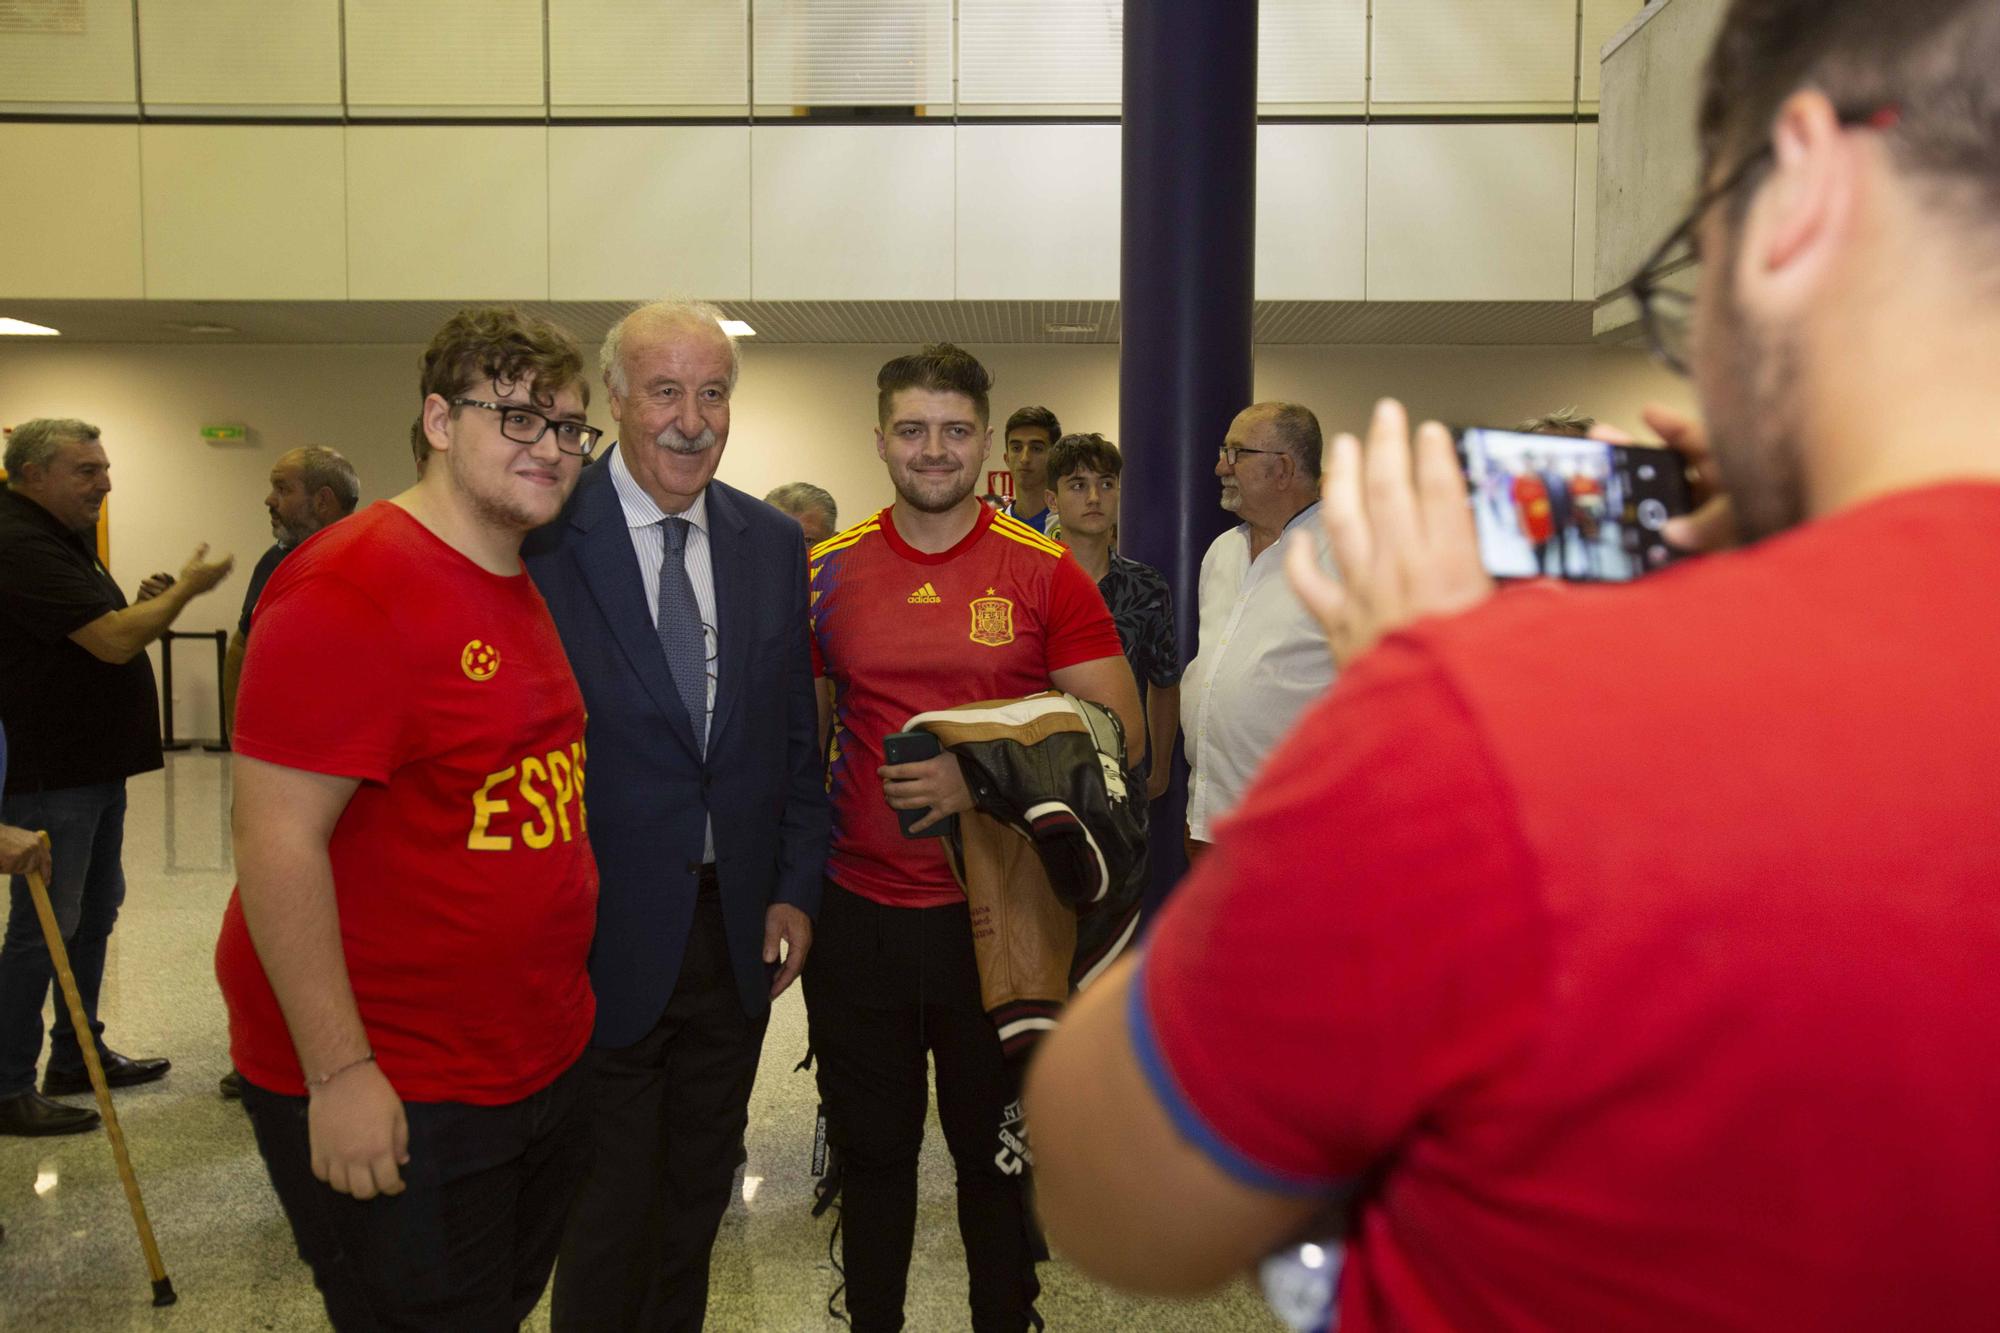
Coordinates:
(205, 329)
(23, 329)
(1069, 328)
(736, 328)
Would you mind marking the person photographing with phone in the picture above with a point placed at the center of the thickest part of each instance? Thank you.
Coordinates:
(1656, 982)
(932, 602)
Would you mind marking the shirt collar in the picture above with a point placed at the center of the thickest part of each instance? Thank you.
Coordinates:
(1290, 523)
(640, 509)
(31, 511)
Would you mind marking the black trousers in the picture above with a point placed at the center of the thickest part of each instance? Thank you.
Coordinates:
(668, 1114)
(468, 1243)
(885, 985)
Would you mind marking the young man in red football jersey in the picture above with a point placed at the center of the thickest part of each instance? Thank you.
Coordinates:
(1630, 957)
(933, 602)
(404, 957)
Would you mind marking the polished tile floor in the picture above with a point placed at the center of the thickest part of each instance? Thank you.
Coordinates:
(71, 1259)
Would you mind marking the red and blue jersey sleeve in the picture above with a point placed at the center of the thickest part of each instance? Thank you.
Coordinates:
(1361, 945)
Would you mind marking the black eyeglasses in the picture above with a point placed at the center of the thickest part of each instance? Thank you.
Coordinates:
(1663, 310)
(1229, 453)
(524, 425)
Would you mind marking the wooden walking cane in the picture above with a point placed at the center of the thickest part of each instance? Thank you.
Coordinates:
(163, 1286)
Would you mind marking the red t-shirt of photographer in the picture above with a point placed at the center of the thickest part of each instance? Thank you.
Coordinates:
(466, 887)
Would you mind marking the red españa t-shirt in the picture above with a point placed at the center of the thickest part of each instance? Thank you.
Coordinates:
(466, 887)
(900, 632)
(1646, 941)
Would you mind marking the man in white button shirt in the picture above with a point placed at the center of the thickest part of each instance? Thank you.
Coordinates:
(1260, 658)
(681, 602)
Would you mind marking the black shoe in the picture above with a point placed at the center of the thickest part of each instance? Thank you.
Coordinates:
(31, 1115)
(232, 1086)
(120, 1071)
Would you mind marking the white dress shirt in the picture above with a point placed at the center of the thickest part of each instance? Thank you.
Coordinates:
(1260, 659)
(643, 522)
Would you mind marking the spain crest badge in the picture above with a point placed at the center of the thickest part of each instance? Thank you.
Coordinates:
(992, 620)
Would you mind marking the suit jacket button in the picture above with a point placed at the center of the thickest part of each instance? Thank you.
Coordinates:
(694, 867)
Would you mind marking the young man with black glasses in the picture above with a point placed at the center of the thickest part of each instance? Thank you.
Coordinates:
(404, 957)
(1628, 957)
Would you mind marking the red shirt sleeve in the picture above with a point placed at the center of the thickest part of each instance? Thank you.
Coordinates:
(1080, 628)
(1360, 946)
(323, 682)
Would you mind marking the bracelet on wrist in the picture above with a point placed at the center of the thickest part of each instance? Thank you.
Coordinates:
(316, 1084)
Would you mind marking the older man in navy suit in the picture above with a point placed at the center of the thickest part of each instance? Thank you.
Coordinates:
(682, 604)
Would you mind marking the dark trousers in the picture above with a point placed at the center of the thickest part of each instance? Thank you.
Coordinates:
(667, 1117)
(885, 985)
(469, 1242)
(86, 828)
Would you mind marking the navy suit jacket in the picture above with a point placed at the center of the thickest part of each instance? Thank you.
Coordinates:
(647, 788)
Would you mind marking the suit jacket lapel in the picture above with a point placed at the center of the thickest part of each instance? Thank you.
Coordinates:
(611, 569)
(728, 547)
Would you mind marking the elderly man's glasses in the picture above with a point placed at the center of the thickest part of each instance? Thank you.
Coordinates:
(1231, 452)
(526, 426)
(1663, 310)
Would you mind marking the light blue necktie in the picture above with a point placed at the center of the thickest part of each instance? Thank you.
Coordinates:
(682, 638)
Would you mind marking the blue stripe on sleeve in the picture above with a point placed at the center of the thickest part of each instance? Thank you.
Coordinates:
(1189, 1121)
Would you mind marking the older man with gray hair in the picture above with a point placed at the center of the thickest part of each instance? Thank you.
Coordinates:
(817, 515)
(78, 701)
(682, 604)
(1261, 657)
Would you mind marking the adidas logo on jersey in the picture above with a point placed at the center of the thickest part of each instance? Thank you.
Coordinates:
(925, 596)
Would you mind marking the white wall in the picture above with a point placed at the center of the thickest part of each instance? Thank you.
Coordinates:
(801, 413)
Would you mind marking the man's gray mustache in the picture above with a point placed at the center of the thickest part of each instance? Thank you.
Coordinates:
(673, 441)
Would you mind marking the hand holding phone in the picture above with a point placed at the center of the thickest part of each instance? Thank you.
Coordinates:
(915, 747)
(1394, 517)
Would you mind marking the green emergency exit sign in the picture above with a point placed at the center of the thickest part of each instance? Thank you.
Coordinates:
(225, 434)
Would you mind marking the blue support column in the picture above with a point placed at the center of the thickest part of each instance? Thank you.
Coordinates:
(1186, 293)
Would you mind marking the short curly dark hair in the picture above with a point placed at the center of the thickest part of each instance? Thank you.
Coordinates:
(502, 344)
(940, 368)
(1076, 453)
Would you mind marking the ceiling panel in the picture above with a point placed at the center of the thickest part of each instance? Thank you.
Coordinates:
(1494, 323)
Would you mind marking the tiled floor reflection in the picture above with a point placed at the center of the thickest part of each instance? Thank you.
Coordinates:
(71, 1260)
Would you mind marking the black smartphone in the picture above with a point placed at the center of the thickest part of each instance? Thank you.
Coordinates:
(913, 747)
(1554, 506)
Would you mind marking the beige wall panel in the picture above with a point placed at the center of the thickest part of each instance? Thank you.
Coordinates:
(1312, 214)
(87, 246)
(1312, 54)
(461, 57)
(242, 213)
(447, 213)
(623, 57)
(852, 53)
(241, 55)
(851, 213)
(1583, 262)
(1471, 212)
(1475, 53)
(1038, 209)
(1040, 52)
(67, 65)
(641, 212)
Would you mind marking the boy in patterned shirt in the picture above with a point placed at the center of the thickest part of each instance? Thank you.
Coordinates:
(1083, 494)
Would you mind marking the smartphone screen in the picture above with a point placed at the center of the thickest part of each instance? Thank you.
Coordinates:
(1553, 506)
